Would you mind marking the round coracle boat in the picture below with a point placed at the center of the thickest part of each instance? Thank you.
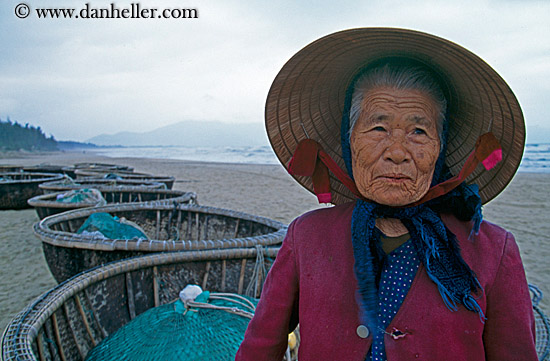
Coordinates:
(67, 322)
(102, 166)
(45, 168)
(85, 175)
(69, 171)
(54, 203)
(17, 187)
(77, 240)
(5, 168)
(50, 168)
(67, 184)
(100, 173)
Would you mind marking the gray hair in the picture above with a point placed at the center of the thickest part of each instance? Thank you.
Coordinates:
(400, 77)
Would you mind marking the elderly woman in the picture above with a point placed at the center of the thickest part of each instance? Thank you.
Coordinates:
(403, 267)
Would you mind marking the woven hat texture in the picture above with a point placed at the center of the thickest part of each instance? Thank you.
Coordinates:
(306, 100)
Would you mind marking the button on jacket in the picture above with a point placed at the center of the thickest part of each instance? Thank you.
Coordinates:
(312, 281)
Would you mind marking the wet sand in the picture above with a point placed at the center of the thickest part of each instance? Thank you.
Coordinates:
(265, 190)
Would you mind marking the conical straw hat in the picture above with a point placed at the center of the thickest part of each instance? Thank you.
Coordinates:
(306, 100)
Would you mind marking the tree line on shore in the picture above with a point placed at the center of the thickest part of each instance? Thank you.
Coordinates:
(14, 136)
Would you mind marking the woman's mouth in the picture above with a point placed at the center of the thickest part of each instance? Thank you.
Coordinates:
(395, 178)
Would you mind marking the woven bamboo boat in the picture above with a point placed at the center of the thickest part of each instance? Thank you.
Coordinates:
(169, 227)
(69, 171)
(50, 168)
(103, 166)
(70, 184)
(100, 173)
(17, 187)
(47, 204)
(6, 168)
(45, 168)
(85, 175)
(66, 322)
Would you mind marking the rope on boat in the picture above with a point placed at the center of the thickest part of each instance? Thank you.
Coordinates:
(258, 275)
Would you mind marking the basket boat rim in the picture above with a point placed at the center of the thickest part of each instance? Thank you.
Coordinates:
(48, 199)
(42, 230)
(36, 177)
(26, 325)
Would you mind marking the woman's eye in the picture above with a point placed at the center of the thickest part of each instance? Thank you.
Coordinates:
(379, 129)
(419, 131)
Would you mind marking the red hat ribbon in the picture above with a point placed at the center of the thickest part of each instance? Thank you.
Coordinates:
(311, 160)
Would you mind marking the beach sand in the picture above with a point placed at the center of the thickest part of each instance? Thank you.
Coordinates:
(265, 190)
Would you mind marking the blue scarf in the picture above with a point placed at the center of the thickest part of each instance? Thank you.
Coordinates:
(436, 246)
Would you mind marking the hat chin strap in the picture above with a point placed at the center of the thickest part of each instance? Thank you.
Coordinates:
(311, 160)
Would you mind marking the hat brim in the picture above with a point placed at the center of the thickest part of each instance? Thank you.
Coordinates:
(306, 100)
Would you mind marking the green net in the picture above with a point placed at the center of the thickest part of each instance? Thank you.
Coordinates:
(84, 195)
(111, 227)
(210, 328)
(112, 176)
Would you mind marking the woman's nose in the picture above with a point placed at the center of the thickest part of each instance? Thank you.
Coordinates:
(396, 151)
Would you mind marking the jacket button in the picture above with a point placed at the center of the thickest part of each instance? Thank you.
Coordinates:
(363, 331)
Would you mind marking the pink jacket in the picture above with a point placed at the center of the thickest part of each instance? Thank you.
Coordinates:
(312, 280)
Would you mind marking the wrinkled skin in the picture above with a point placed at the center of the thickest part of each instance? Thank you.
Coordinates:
(395, 145)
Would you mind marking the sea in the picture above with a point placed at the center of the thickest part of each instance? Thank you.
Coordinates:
(536, 158)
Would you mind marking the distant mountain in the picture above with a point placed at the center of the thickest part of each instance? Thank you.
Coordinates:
(191, 133)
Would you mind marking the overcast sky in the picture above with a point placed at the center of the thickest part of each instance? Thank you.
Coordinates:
(82, 77)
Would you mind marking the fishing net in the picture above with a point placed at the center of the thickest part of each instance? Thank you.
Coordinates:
(84, 195)
(111, 227)
(112, 176)
(209, 328)
(542, 325)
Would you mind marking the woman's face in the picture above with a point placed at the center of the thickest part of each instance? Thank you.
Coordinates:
(395, 145)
